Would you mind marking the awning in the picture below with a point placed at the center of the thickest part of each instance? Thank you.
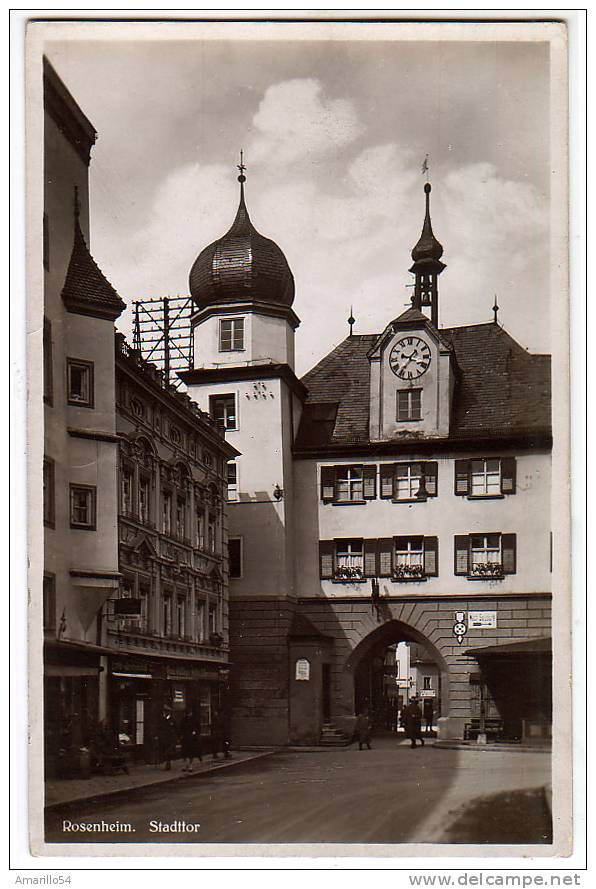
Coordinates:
(527, 647)
(64, 645)
(70, 670)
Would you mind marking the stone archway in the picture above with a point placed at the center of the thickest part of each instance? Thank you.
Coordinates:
(393, 630)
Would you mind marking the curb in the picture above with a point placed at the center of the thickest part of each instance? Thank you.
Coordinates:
(101, 796)
(508, 748)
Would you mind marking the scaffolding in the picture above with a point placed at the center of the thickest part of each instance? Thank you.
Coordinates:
(162, 334)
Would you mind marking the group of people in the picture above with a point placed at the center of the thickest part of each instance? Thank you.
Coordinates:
(411, 721)
(188, 733)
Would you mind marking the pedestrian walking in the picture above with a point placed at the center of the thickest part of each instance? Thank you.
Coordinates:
(190, 736)
(413, 722)
(428, 713)
(167, 737)
(363, 729)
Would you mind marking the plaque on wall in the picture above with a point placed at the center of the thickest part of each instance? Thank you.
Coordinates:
(302, 669)
(482, 620)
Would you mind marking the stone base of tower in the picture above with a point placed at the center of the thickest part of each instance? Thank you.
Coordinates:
(259, 673)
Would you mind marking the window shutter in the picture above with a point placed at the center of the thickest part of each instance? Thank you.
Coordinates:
(431, 556)
(431, 470)
(326, 554)
(369, 474)
(508, 553)
(387, 474)
(508, 475)
(370, 558)
(462, 477)
(385, 556)
(462, 554)
(327, 483)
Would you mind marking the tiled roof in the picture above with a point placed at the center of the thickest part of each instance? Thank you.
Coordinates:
(501, 390)
(86, 290)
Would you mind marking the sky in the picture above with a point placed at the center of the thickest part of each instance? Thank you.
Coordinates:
(334, 134)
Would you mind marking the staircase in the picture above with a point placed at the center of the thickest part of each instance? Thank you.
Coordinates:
(333, 737)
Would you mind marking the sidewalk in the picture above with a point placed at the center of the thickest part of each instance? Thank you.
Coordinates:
(61, 791)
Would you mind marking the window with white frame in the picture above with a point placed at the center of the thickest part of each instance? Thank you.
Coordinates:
(407, 481)
(409, 404)
(349, 559)
(349, 483)
(80, 382)
(231, 334)
(485, 554)
(126, 488)
(232, 480)
(223, 411)
(427, 683)
(83, 507)
(409, 556)
(485, 477)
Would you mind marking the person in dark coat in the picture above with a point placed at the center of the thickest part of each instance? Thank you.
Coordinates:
(413, 722)
(167, 737)
(363, 729)
(428, 712)
(190, 737)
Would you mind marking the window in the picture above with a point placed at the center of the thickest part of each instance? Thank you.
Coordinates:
(46, 243)
(83, 507)
(485, 556)
(427, 683)
(231, 334)
(409, 404)
(211, 532)
(126, 486)
(485, 477)
(49, 499)
(232, 480)
(200, 526)
(409, 556)
(223, 411)
(348, 484)
(49, 602)
(166, 512)
(144, 494)
(235, 556)
(144, 596)
(212, 618)
(167, 615)
(408, 481)
(200, 620)
(79, 382)
(180, 616)
(349, 559)
(48, 378)
(180, 518)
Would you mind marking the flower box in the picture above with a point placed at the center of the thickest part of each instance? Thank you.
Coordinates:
(346, 573)
(408, 572)
(486, 571)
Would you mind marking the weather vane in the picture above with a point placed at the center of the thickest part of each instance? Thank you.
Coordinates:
(351, 320)
(241, 166)
(496, 309)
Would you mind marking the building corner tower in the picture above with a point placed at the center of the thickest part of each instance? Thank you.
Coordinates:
(243, 375)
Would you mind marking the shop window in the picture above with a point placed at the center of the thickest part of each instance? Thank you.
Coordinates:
(49, 496)
(49, 602)
(83, 500)
(235, 557)
(409, 405)
(79, 382)
(485, 556)
(231, 334)
(232, 480)
(223, 411)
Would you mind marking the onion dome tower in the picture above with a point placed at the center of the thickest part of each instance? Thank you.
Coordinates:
(427, 266)
(242, 284)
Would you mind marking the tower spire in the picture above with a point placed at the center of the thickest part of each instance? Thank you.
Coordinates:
(427, 266)
(351, 319)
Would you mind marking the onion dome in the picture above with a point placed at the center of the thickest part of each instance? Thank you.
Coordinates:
(427, 248)
(241, 266)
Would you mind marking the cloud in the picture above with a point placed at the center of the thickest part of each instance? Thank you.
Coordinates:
(294, 121)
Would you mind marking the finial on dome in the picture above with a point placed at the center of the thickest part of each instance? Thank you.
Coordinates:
(241, 166)
(351, 319)
(496, 310)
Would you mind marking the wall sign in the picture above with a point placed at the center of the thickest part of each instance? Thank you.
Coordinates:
(482, 620)
(302, 669)
(459, 627)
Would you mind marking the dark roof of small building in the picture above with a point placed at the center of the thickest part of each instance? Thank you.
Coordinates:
(86, 289)
(501, 391)
(541, 645)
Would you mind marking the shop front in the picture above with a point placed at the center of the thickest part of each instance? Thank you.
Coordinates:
(140, 689)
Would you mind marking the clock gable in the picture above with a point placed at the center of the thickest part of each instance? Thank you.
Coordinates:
(411, 381)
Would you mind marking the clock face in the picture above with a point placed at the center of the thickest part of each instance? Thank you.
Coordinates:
(410, 358)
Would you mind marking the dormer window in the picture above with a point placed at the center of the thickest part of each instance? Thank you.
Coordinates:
(409, 405)
(231, 334)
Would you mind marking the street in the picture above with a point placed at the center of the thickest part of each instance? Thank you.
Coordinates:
(390, 794)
